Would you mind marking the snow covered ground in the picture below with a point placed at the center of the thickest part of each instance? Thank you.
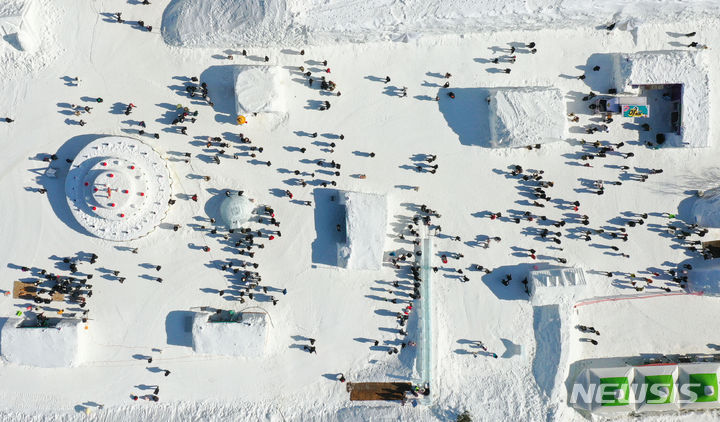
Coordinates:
(344, 310)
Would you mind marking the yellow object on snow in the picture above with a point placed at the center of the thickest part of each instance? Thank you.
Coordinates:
(241, 120)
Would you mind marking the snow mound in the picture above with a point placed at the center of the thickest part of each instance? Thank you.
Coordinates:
(45, 347)
(235, 211)
(118, 188)
(526, 116)
(365, 226)
(240, 334)
(248, 23)
(673, 67)
(706, 210)
(260, 89)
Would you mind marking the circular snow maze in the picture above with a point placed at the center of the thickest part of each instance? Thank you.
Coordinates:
(118, 188)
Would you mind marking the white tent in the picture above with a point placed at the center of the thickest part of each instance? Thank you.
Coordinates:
(57, 346)
(260, 89)
(365, 228)
(243, 334)
(235, 211)
(526, 116)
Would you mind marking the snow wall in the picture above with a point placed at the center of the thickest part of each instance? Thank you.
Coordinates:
(260, 23)
(526, 116)
(246, 337)
(365, 228)
(45, 347)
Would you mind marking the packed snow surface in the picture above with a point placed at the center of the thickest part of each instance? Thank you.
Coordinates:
(526, 116)
(260, 89)
(45, 347)
(245, 337)
(673, 67)
(365, 228)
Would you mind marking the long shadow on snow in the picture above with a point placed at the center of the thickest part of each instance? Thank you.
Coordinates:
(467, 114)
(56, 186)
(219, 80)
(328, 213)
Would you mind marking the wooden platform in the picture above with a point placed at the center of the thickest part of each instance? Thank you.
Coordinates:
(29, 291)
(385, 391)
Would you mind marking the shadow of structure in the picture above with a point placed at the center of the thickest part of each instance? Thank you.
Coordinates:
(55, 186)
(468, 114)
(328, 214)
(221, 90)
(178, 328)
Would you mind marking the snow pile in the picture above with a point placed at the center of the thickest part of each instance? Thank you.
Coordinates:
(706, 210)
(673, 67)
(245, 335)
(46, 347)
(260, 89)
(118, 188)
(365, 225)
(223, 23)
(546, 285)
(235, 211)
(526, 116)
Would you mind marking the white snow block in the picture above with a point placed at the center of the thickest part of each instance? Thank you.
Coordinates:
(687, 68)
(365, 228)
(45, 347)
(260, 89)
(526, 116)
(548, 285)
(245, 336)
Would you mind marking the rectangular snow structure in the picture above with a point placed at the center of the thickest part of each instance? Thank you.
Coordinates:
(686, 68)
(550, 282)
(524, 116)
(365, 228)
(45, 347)
(245, 336)
(260, 89)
